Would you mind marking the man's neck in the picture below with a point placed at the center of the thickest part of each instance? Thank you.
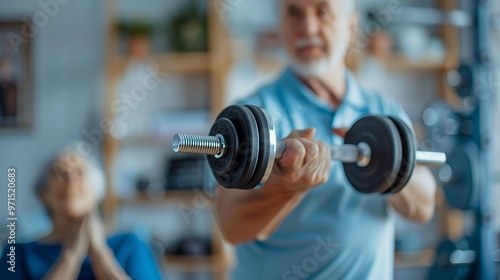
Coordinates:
(330, 87)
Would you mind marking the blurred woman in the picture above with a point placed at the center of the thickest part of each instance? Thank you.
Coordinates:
(77, 247)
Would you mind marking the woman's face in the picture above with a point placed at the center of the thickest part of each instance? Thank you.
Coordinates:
(68, 192)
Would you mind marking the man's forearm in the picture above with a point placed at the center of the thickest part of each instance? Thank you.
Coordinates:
(254, 214)
(417, 200)
(246, 215)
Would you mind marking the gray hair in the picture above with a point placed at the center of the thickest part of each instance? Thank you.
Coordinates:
(95, 173)
(349, 6)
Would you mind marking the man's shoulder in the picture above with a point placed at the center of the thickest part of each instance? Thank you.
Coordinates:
(379, 103)
(263, 95)
(375, 100)
(269, 94)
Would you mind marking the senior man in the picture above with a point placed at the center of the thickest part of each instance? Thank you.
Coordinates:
(306, 221)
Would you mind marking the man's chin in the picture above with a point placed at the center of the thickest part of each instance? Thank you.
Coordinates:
(310, 69)
(309, 60)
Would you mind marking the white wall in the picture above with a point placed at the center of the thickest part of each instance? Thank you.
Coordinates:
(67, 90)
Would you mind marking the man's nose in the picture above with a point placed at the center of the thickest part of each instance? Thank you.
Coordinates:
(309, 26)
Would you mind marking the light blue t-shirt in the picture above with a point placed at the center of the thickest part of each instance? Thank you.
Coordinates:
(335, 232)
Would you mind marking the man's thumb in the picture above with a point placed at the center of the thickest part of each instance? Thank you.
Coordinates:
(303, 133)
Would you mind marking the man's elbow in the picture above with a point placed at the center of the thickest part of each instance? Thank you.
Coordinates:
(236, 237)
(232, 238)
(230, 229)
(423, 214)
(422, 208)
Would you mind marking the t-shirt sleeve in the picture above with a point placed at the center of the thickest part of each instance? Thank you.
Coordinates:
(141, 263)
(7, 271)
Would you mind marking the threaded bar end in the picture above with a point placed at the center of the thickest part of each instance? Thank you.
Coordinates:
(197, 144)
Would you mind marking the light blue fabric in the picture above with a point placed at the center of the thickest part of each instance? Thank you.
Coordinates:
(335, 232)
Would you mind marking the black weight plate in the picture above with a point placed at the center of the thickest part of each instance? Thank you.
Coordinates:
(248, 148)
(442, 126)
(226, 163)
(409, 148)
(466, 86)
(382, 136)
(264, 149)
(443, 268)
(461, 189)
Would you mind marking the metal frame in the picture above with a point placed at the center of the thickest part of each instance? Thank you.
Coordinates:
(483, 236)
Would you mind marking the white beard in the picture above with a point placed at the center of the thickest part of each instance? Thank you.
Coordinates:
(320, 67)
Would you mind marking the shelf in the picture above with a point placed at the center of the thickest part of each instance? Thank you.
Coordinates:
(183, 62)
(216, 263)
(165, 124)
(168, 62)
(193, 263)
(400, 62)
(215, 65)
(395, 62)
(268, 63)
(187, 197)
(145, 141)
(424, 258)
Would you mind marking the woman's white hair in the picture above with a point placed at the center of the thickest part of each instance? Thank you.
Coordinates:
(350, 6)
(95, 173)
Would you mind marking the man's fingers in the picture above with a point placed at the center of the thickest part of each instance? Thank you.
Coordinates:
(294, 154)
(323, 149)
(312, 150)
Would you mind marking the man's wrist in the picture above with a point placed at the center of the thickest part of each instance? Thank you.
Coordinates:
(285, 189)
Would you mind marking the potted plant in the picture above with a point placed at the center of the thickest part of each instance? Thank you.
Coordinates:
(187, 29)
(380, 43)
(138, 34)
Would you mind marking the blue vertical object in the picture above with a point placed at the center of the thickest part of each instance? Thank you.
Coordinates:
(473, 142)
(483, 238)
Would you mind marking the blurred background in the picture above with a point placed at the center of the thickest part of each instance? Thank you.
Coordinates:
(124, 76)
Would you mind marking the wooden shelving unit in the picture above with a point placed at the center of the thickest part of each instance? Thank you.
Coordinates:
(187, 197)
(215, 64)
(396, 62)
(217, 264)
(202, 263)
(169, 62)
(450, 221)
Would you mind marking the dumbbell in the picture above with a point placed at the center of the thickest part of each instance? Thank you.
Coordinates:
(453, 260)
(378, 155)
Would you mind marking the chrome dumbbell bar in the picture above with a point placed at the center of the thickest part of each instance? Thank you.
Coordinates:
(347, 153)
